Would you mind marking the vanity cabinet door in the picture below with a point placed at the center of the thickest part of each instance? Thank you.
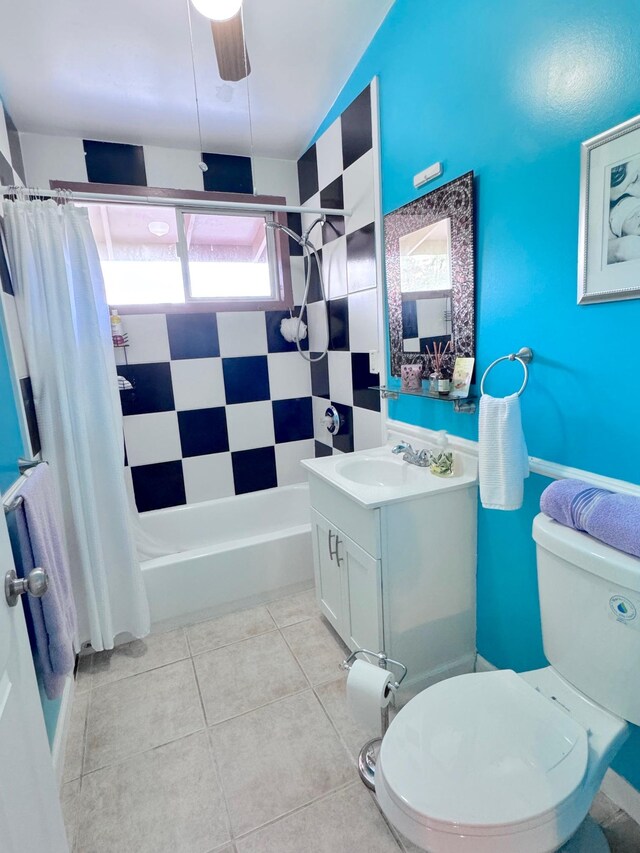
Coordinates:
(328, 574)
(362, 600)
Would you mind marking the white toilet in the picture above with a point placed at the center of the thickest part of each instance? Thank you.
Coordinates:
(496, 762)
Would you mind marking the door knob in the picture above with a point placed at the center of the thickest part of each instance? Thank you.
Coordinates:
(36, 583)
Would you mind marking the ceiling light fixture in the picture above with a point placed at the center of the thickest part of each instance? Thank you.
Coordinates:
(157, 228)
(218, 10)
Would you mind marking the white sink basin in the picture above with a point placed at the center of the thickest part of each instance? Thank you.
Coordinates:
(376, 477)
(370, 471)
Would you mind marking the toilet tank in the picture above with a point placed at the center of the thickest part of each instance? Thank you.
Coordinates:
(590, 609)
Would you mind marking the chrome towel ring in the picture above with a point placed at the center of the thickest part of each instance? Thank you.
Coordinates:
(524, 356)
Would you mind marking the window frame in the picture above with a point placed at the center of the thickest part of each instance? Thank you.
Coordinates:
(280, 270)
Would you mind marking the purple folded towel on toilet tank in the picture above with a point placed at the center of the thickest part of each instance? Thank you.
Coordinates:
(611, 517)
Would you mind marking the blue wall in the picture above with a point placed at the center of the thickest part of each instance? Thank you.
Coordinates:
(11, 446)
(510, 90)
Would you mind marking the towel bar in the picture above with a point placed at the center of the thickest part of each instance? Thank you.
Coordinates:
(524, 356)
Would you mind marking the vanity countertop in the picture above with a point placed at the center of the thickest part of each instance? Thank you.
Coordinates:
(377, 477)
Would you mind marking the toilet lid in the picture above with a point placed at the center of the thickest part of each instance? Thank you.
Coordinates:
(481, 750)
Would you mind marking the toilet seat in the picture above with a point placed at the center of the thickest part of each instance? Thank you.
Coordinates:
(482, 754)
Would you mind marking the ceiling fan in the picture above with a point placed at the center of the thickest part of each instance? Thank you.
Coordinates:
(228, 37)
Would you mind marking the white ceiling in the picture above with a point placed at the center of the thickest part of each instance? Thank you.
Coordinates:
(121, 70)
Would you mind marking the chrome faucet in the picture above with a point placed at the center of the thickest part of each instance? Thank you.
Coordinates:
(420, 458)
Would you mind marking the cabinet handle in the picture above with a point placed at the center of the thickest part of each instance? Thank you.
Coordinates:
(331, 553)
(339, 559)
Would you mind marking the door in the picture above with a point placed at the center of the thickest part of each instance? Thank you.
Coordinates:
(362, 607)
(328, 580)
(30, 815)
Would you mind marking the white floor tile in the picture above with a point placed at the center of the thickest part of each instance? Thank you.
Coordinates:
(340, 383)
(152, 438)
(141, 712)
(148, 338)
(250, 425)
(167, 800)
(294, 608)
(289, 376)
(264, 759)
(207, 478)
(242, 333)
(346, 821)
(198, 383)
(228, 629)
(288, 456)
(363, 320)
(127, 659)
(318, 650)
(254, 673)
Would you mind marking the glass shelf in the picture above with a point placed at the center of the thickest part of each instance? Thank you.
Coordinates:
(464, 405)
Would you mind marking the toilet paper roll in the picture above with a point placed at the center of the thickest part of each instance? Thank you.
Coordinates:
(367, 692)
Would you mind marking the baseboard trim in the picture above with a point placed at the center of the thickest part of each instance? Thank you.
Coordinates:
(553, 470)
(614, 786)
(58, 748)
(622, 793)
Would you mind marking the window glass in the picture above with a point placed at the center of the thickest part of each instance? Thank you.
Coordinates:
(138, 252)
(153, 255)
(228, 256)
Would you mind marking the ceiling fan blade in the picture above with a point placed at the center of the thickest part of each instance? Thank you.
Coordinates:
(228, 38)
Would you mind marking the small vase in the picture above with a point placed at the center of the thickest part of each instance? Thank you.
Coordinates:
(433, 382)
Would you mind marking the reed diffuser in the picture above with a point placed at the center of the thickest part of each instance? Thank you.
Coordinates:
(438, 382)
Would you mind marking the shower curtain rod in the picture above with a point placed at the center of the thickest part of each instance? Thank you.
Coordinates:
(160, 201)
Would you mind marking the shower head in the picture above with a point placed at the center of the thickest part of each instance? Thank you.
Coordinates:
(287, 231)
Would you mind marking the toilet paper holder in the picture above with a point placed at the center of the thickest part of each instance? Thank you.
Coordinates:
(369, 752)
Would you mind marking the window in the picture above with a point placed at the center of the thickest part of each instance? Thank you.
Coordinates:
(155, 255)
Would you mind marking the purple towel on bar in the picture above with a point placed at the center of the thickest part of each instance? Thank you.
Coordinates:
(611, 517)
(40, 540)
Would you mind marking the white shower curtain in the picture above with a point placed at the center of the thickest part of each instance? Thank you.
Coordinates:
(65, 324)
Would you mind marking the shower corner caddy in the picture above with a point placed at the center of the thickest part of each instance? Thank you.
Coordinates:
(461, 405)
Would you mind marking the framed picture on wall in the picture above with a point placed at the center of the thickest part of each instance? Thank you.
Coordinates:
(609, 241)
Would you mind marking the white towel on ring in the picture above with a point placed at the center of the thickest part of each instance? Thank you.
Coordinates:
(503, 457)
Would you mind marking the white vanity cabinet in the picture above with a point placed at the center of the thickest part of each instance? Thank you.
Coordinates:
(347, 584)
(399, 576)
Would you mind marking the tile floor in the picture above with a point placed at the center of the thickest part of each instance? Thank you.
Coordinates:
(230, 736)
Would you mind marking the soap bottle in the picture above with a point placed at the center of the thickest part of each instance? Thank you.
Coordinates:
(117, 331)
(442, 456)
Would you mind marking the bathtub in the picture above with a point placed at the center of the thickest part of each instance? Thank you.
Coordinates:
(229, 553)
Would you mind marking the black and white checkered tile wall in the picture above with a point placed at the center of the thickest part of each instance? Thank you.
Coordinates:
(221, 405)
(12, 174)
(338, 171)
